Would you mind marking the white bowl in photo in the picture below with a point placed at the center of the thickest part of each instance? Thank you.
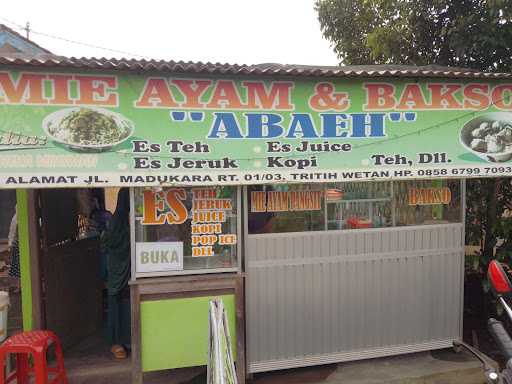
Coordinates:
(52, 127)
(466, 135)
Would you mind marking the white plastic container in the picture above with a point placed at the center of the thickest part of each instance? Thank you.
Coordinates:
(4, 310)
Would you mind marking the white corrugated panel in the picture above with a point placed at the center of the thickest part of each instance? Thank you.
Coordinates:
(321, 297)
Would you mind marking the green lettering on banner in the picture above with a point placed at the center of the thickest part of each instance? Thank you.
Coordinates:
(132, 130)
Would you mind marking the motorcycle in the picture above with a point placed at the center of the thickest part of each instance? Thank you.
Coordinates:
(502, 288)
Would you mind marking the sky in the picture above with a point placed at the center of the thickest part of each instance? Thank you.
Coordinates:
(232, 31)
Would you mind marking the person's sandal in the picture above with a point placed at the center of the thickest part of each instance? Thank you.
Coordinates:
(118, 351)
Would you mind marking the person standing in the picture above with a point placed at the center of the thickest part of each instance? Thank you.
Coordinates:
(116, 242)
(100, 219)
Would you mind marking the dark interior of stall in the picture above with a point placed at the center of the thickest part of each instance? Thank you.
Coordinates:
(70, 265)
(72, 273)
(73, 276)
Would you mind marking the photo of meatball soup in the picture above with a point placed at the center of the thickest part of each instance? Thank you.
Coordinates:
(489, 136)
(492, 137)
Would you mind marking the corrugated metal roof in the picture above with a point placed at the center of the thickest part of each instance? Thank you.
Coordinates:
(267, 69)
(5, 28)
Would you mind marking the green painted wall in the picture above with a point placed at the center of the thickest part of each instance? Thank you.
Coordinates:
(24, 244)
(175, 332)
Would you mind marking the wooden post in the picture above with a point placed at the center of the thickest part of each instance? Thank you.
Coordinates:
(136, 335)
(241, 368)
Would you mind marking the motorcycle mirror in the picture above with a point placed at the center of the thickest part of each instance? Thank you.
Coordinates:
(498, 278)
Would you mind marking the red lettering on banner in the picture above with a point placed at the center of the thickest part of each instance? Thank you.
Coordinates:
(476, 96)
(192, 90)
(96, 90)
(412, 98)
(443, 96)
(501, 97)
(278, 97)
(382, 96)
(326, 98)
(156, 93)
(61, 94)
(27, 89)
(379, 96)
(225, 95)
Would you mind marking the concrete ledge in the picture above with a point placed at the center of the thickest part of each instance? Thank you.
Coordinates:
(436, 367)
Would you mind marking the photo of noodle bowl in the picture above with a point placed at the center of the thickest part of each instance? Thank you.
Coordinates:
(87, 128)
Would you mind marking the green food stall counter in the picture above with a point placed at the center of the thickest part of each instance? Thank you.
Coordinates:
(170, 321)
(175, 331)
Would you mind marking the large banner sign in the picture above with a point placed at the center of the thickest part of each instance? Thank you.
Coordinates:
(83, 129)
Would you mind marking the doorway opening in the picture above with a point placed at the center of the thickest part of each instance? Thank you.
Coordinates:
(73, 278)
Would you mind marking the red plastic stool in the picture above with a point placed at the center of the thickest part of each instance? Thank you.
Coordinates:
(33, 343)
